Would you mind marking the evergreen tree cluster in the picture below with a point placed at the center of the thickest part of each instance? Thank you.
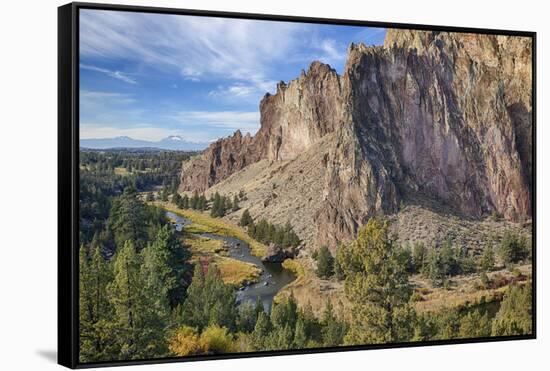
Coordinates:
(376, 283)
(221, 205)
(514, 317)
(194, 202)
(127, 300)
(447, 261)
(285, 327)
(267, 233)
(99, 183)
(439, 264)
(513, 248)
(288, 327)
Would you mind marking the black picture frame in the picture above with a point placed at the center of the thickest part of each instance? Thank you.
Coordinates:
(68, 179)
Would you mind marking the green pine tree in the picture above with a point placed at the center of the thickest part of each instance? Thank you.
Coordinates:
(156, 279)
(475, 325)
(96, 342)
(262, 330)
(333, 330)
(177, 200)
(300, 335)
(209, 301)
(325, 263)
(125, 296)
(377, 286)
(127, 219)
(515, 316)
(246, 219)
(194, 202)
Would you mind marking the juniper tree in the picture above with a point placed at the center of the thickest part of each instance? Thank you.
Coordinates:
(193, 203)
(246, 219)
(487, 261)
(377, 286)
(325, 263)
(177, 200)
(235, 203)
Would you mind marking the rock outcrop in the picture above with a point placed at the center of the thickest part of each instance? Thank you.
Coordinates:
(276, 254)
(443, 117)
(221, 159)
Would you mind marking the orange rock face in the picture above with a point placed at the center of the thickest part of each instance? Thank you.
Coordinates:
(430, 115)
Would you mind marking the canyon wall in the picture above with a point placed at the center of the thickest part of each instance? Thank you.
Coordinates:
(436, 116)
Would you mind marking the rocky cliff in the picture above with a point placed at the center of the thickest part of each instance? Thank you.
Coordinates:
(430, 118)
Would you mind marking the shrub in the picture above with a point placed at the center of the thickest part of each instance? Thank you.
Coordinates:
(515, 314)
(185, 341)
(487, 261)
(513, 248)
(485, 281)
(474, 324)
(216, 340)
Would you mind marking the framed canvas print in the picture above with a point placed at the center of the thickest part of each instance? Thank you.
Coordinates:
(238, 185)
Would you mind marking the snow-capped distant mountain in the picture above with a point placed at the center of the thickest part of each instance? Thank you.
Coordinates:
(173, 143)
(174, 137)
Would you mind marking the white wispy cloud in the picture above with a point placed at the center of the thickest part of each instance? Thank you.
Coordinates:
(240, 91)
(114, 74)
(242, 50)
(113, 97)
(370, 36)
(332, 51)
(231, 120)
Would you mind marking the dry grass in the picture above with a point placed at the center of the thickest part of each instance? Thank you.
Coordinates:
(199, 228)
(119, 170)
(203, 222)
(294, 266)
(465, 291)
(416, 223)
(204, 245)
(308, 289)
(235, 272)
(282, 191)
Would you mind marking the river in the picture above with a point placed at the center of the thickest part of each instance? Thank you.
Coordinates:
(272, 279)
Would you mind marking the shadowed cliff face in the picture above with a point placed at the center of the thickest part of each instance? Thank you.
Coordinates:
(446, 116)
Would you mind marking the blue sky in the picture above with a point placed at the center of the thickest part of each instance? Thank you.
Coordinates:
(148, 76)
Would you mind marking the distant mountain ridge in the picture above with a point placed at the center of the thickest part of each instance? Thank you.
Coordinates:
(172, 142)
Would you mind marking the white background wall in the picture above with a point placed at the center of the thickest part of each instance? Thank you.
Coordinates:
(28, 181)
